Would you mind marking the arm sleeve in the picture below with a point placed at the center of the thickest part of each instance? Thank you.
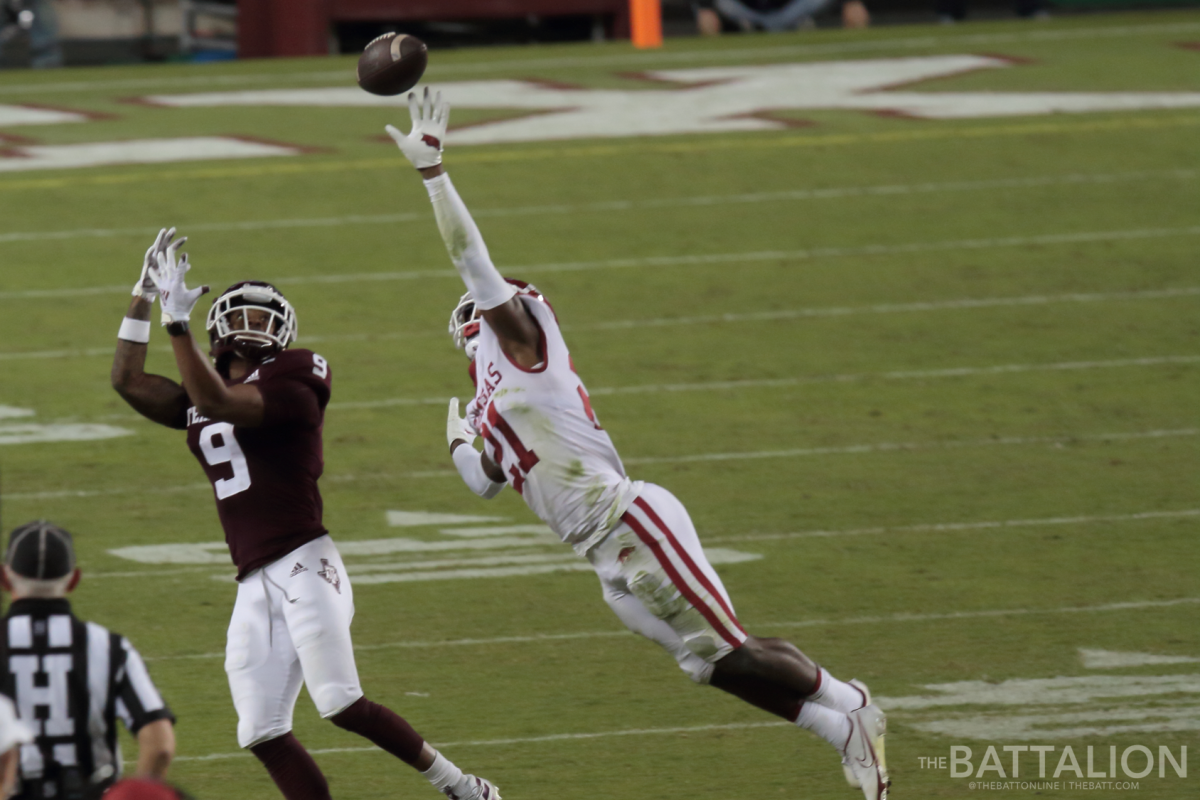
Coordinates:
(466, 458)
(138, 700)
(466, 247)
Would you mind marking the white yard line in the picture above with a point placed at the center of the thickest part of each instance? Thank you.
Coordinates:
(798, 452)
(952, 527)
(942, 41)
(890, 447)
(836, 192)
(557, 737)
(782, 383)
(1084, 237)
(1134, 605)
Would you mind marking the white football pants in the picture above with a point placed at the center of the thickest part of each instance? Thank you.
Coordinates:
(657, 580)
(291, 625)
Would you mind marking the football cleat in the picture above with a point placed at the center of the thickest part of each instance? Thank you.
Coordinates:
(851, 778)
(472, 788)
(864, 751)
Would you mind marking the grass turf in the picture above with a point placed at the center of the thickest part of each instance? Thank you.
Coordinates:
(883, 372)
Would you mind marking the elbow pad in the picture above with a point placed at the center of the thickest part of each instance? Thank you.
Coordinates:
(470, 467)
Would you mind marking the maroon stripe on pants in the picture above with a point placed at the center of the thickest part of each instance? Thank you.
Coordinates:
(678, 580)
(687, 559)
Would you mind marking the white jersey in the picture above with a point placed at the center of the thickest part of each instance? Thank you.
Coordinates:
(538, 426)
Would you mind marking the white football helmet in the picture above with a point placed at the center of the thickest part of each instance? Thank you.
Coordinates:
(464, 319)
(464, 325)
(231, 330)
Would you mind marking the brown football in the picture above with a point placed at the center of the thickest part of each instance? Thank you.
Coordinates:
(391, 64)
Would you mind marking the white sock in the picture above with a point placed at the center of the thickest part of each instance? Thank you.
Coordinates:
(837, 695)
(832, 726)
(443, 773)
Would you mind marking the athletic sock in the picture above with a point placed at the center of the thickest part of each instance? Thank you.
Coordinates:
(292, 768)
(383, 727)
(832, 726)
(837, 695)
(443, 773)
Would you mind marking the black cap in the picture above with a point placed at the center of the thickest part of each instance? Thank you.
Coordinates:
(41, 551)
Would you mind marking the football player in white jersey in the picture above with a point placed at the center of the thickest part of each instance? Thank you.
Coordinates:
(541, 436)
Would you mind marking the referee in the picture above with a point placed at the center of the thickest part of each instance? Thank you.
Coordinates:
(71, 680)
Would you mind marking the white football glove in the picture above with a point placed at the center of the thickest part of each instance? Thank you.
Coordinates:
(168, 277)
(145, 287)
(423, 145)
(457, 427)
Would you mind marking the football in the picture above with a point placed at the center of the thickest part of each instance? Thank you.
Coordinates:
(391, 64)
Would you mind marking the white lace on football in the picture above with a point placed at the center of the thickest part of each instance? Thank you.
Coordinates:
(226, 316)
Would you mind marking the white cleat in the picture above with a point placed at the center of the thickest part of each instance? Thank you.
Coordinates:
(864, 754)
(472, 788)
(851, 778)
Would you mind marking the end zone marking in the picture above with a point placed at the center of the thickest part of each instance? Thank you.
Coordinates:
(768, 140)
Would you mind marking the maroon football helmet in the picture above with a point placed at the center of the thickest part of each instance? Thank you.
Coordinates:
(234, 330)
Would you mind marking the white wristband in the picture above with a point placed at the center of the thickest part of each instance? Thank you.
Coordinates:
(134, 330)
(470, 467)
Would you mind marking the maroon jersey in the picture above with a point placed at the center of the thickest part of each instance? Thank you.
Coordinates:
(265, 478)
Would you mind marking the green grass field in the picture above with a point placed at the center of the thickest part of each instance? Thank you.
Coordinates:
(939, 377)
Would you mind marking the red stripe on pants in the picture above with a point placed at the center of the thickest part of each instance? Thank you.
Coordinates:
(687, 559)
(678, 580)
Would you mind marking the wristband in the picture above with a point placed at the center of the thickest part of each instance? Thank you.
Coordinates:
(134, 330)
(179, 328)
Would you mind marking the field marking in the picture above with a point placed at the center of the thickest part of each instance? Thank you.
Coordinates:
(1133, 605)
(634, 146)
(1084, 237)
(952, 527)
(25, 158)
(831, 193)
(782, 383)
(214, 557)
(631, 60)
(891, 447)
(798, 452)
(556, 737)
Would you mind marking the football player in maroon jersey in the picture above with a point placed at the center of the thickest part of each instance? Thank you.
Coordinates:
(254, 414)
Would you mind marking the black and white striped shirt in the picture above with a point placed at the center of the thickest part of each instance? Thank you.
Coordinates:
(70, 681)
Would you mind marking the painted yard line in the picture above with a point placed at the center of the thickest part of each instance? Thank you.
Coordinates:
(799, 452)
(837, 192)
(893, 447)
(779, 383)
(626, 147)
(557, 737)
(1135, 605)
(953, 527)
(1086, 237)
(629, 60)
(359, 568)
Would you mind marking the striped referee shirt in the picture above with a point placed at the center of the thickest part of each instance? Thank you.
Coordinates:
(70, 681)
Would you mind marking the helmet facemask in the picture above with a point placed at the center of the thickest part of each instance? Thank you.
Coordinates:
(464, 325)
(251, 319)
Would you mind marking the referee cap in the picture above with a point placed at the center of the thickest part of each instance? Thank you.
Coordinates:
(41, 551)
